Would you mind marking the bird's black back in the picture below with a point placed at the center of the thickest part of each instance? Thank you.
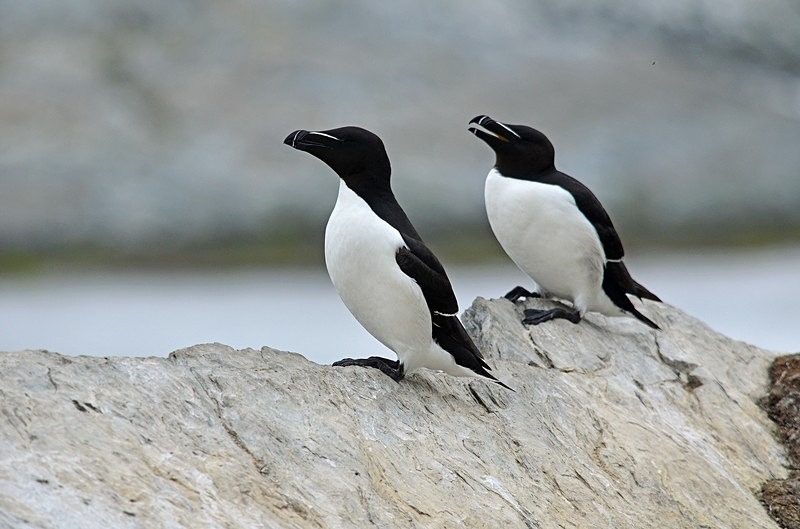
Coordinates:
(590, 206)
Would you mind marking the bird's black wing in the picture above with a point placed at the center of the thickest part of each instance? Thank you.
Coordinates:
(419, 263)
(593, 210)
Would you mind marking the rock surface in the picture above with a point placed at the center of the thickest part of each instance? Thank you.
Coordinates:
(611, 425)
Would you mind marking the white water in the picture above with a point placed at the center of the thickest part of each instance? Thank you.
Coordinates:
(749, 296)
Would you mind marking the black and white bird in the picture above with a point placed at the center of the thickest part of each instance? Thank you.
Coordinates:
(388, 279)
(554, 228)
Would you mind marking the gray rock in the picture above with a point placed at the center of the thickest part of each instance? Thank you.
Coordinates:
(611, 425)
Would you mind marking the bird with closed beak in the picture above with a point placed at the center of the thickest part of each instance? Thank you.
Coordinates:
(383, 271)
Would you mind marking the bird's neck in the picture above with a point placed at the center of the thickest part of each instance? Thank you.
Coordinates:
(533, 174)
(378, 195)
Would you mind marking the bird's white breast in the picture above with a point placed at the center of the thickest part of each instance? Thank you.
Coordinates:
(541, 228)
(360, 251)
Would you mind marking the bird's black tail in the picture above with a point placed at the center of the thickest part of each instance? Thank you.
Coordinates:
(451, 336)
(617, 283)
(642, 318)
(622, 277)
(642, 293)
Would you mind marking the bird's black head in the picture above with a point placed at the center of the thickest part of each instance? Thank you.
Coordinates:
(354, 153)
(520, 151)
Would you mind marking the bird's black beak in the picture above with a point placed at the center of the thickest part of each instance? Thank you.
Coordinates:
(292, 138)
(494, 133)
(310, 141)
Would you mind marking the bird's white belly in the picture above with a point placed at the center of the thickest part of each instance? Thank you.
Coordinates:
(541, 229)
(360, 251)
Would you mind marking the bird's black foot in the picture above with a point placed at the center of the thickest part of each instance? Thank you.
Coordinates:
(520, 292)
(536, 316)
(390, 368)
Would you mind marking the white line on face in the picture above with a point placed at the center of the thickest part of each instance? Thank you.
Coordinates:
(325, 135)
(509, 130)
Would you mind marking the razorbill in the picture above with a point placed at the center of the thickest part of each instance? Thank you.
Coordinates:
(554, 228)
(388, 279)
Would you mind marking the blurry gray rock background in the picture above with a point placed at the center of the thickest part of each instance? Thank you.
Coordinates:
(138, 125)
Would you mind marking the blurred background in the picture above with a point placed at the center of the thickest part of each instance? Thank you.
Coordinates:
(147, 202)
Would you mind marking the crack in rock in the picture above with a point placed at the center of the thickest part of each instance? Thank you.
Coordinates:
(233, 434)
(682, 369)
